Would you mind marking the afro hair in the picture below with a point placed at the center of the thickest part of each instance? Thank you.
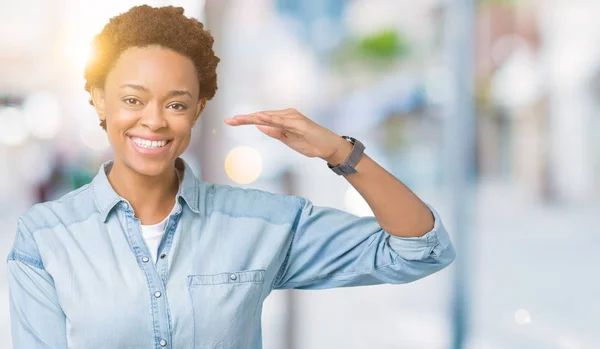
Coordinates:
(143, 26)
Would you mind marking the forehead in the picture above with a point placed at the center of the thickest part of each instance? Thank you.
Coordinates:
(154, 67)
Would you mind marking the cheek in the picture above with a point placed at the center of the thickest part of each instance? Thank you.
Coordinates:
(183, 131)
(182, 126)
(117, 121)
(120, 117)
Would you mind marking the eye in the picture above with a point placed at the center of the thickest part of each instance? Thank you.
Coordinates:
(130, 101)
(178, 106)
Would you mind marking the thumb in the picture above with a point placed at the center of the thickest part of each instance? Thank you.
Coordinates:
(269, 131)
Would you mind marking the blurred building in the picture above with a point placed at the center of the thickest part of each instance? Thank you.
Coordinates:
(377, 70)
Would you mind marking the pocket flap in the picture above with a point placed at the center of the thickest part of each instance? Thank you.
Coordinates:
(232, 277)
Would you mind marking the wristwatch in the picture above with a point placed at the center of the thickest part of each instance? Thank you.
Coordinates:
(347, 167)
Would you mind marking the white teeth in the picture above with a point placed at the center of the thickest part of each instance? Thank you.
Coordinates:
(144, 143)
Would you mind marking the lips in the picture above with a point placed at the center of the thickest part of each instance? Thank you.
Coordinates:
(146, 143)
(150, 137)
(147, 147)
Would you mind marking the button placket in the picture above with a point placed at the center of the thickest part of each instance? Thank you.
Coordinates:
(162, 260)
(160, 313)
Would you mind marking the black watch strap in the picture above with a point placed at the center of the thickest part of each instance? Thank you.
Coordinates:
(348, 165)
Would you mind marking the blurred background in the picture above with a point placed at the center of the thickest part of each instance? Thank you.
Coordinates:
(488, 110)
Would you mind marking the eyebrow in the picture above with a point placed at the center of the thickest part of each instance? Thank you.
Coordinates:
(171, 93)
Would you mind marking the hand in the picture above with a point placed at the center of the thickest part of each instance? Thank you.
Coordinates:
(297, 132)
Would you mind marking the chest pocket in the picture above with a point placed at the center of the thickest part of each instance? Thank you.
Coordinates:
(225, 308)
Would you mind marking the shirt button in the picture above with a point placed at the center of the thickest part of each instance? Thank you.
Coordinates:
(232, 276)
(163, 343)
(157, 294)
(145, 259)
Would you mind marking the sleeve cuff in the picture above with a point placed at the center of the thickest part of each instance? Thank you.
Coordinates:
(433, 243)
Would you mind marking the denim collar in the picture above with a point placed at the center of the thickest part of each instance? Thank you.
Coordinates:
(106, 198)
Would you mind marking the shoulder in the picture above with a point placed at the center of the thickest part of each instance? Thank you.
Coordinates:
(72, 207)
(252, 203)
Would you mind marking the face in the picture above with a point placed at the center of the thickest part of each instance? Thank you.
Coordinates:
(150, 104)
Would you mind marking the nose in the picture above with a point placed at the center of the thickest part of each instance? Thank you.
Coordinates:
(154, 117)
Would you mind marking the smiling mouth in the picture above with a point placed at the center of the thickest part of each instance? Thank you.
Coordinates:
(148, 144)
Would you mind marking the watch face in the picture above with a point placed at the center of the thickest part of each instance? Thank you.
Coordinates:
(347, 167)
(349, 139)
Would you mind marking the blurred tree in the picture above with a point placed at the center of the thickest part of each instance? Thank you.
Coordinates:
(386, 44)
(379, 50)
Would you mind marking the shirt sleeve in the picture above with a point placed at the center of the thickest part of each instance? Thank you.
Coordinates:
(333, 248)
(37, 319)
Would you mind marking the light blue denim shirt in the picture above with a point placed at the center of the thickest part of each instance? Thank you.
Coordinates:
(81, 275)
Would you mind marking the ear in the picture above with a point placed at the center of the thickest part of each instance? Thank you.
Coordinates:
(199, 108)
(97, 94)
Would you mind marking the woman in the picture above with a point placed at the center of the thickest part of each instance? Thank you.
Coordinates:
(149, 256)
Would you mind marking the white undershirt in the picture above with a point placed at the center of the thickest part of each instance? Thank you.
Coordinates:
(153, 233)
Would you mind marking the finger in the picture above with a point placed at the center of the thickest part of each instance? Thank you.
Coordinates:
(282, 112)
(245, 120)
(279, 121)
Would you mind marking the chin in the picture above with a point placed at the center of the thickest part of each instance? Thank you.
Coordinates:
(147, 167)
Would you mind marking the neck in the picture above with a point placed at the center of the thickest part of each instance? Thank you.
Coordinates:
(151, 197)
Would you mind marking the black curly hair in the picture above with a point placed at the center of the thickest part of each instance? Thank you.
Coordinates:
(143, 26)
